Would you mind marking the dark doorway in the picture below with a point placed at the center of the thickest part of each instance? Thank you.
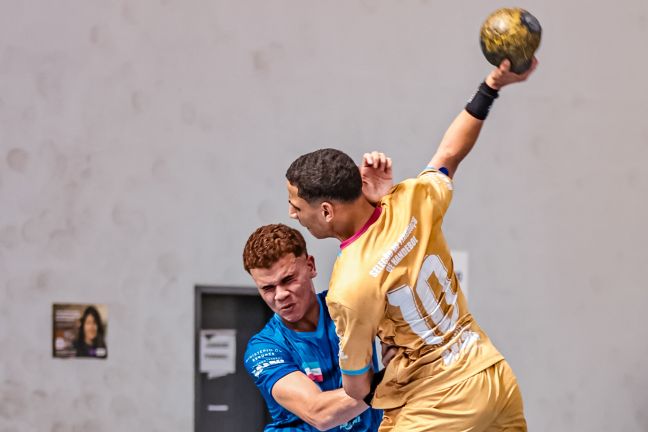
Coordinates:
(231, 402)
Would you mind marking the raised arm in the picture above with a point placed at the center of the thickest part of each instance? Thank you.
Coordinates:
(462, 134)
(321, 409)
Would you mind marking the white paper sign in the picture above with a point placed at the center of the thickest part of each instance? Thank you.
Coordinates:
(218, 352)
(460, 259)
(217, 408)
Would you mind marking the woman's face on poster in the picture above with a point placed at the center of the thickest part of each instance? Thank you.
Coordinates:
(90, 328)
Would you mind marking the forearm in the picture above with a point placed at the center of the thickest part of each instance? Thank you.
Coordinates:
(332, 408)
(457, 142)
(320, 409)
(462, 134)
(357, 386)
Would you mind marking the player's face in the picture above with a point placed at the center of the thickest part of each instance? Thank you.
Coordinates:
(309, 216)
(287, 288)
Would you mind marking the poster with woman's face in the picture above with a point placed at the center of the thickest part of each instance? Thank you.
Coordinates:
(79, 330)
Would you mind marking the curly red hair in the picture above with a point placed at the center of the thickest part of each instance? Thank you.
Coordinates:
(269, 243)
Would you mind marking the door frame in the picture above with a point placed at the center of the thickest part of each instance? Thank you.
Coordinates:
(199, 292)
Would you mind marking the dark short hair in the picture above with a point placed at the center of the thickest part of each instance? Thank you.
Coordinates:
(91, 310)
(269, 243)
(326, 174)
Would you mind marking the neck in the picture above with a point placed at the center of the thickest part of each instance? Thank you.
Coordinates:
(356, 216)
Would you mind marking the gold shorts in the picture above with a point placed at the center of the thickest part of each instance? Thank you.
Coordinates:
(489, 401)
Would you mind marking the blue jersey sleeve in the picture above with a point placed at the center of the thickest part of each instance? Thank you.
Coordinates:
(267, 363)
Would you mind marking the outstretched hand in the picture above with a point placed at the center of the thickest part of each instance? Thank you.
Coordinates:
(376, 173)
(502, 75)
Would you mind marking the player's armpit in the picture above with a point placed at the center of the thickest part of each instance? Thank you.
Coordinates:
(388, 352)
(322, 410)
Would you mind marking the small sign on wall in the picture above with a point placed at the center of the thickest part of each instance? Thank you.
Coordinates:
(217, 352)
(79, 330)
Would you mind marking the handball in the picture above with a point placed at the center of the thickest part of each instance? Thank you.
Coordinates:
(513, 34)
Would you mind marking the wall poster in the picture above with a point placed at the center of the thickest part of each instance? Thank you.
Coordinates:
(79, 330)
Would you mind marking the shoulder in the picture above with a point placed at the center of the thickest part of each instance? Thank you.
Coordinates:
(345, 285)
(437, 178)
(269, 356)
(269, 339)
(271, 332)
(324, 299)
(264, 355)
(421, 194)
(322, 296)
(402, 195)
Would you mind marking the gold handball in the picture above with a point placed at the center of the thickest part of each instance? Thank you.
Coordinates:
(510, 33)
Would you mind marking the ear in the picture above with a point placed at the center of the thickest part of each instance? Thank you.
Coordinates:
(310, 261)
(328, 211)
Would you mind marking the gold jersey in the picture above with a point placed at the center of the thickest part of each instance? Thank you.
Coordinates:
(395, 279)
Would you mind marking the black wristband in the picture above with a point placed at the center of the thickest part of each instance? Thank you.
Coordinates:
(375, 380)
(479, 105)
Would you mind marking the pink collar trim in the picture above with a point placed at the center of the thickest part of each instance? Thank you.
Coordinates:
(373, 218)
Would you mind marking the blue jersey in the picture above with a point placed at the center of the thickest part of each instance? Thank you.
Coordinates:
(276, 351)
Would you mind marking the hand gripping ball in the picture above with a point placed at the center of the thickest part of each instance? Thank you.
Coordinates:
(510, 33)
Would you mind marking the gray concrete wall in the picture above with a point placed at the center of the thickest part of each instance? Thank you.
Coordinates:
(142, 141)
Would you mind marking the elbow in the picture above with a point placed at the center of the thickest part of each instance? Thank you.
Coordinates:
(357, 395)
(323, 424)
(447, 159)
(320, 420)
(451, 161)
(356, 391)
